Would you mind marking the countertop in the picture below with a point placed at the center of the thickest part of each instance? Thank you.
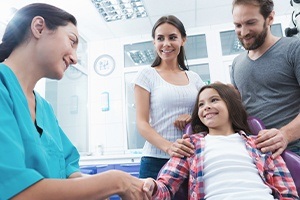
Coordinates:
(109, 159)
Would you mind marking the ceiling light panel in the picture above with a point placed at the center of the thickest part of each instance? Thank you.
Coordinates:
(112, 10)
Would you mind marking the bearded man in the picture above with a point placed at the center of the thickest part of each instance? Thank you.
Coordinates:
(267, 76)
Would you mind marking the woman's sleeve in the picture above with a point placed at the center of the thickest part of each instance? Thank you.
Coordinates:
(71, 154)
(143, 79)
(197, 79)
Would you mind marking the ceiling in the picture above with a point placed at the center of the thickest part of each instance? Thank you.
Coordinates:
(193, 13)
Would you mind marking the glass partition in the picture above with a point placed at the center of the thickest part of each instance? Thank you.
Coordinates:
(134, 138)
(203, 71)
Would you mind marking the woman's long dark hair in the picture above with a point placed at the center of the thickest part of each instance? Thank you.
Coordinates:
(17, 30)
(237, 113)
(171, 19)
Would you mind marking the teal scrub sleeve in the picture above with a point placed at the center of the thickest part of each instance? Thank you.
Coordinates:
(71, 155)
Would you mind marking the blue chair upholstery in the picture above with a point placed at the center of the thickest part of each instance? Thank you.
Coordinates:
(291, 159)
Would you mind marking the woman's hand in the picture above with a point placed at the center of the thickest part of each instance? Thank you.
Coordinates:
(182, 121)
(181, 148)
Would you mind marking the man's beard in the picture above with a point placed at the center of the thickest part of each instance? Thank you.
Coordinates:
(259, 39)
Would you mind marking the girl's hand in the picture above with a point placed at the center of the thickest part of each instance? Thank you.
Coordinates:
(132, 187)
(149, 187)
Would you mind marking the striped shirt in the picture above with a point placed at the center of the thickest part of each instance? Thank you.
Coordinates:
(274, 173)
(167, 103)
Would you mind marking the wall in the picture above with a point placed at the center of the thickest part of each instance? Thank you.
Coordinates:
(107, 128)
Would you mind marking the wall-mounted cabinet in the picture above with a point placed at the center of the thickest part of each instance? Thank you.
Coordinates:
(138, 54)
(231, 44)
(203, 71)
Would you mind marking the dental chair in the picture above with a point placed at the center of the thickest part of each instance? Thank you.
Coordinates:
(291, 159)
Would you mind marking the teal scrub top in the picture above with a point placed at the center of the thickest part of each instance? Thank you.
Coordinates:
(26, 156)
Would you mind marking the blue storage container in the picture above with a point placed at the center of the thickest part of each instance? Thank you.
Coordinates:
(131, 168)
(103, 168)
(115, 197)
(88, 169)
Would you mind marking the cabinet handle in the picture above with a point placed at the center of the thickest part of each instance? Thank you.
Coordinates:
(129, 165)
(101, 166)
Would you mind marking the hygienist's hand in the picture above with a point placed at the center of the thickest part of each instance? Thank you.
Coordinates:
(182, 121)
(272, 140)
(131, 187)
(181, 148)
(149, 187)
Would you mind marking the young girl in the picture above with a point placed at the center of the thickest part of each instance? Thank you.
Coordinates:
(226, 163)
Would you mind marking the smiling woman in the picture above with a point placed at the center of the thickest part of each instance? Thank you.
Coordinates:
(164, 95)
(43, 154)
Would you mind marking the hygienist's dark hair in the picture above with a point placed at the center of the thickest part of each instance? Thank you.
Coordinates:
(17, 30)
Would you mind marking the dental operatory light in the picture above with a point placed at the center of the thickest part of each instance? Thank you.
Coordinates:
(112, 10)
